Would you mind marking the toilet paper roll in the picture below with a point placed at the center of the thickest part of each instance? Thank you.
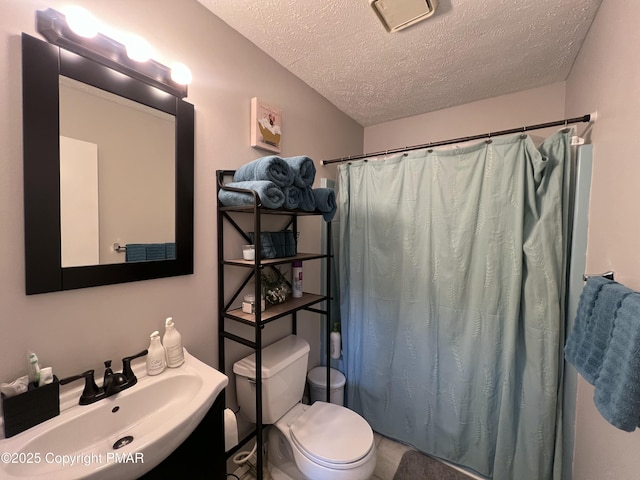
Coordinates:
(230, 429)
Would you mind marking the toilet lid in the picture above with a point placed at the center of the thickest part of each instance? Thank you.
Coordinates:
(332, 433)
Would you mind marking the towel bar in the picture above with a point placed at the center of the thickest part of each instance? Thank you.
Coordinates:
(608, 275)
(119, 248)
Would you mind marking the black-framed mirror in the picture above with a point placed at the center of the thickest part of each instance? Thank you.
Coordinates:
(43, 65)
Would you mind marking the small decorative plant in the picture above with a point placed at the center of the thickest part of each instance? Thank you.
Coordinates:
(276, 288)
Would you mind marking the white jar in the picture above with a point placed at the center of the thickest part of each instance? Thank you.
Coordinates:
(249, 304)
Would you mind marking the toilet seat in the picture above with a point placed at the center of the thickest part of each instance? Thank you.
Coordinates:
(332, 436)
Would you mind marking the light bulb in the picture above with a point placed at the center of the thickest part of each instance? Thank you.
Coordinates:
(81, 21)
(138, 49)
(181, 74)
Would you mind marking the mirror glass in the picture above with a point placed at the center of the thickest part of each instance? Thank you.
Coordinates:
(117, 175)
(108, 159)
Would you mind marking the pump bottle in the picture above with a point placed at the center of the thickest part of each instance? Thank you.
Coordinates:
(156, 359)
(172, 342)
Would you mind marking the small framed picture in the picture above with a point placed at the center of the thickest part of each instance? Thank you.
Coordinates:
(266, 126)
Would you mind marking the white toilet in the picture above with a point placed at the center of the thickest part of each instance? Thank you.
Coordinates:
(322, 441)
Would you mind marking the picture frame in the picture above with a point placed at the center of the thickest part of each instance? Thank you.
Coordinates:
(266, 126)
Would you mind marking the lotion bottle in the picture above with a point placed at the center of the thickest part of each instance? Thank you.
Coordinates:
(156, 358)
(335, 341)
(172, 342)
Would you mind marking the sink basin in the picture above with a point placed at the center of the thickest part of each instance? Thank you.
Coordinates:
(122, 436)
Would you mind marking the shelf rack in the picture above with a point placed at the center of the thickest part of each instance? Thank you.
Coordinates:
(227, 312)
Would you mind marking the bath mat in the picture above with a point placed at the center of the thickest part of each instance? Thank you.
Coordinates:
(414, 465)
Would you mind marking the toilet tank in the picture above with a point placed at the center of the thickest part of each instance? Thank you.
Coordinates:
(284, 371)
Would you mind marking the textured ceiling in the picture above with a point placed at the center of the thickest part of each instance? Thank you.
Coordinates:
(469, 50)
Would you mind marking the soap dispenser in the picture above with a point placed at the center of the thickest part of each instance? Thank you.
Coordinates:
(172, 342)
(156, 357)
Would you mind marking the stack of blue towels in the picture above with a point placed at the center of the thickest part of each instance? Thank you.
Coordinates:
(280, 183)
(604, 346)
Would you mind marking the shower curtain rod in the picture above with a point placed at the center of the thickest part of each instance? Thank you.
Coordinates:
(585, 118)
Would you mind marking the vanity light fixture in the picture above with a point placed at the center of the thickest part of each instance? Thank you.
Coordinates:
(181, 74)
(132, 59)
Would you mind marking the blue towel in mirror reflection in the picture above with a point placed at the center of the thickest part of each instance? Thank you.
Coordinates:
(145, 252)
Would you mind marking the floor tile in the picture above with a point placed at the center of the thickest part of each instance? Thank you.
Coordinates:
(388, 458)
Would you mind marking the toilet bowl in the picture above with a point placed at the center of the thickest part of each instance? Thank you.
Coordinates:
(322, 441)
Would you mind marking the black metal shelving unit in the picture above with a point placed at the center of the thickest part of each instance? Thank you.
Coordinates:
(226, 299)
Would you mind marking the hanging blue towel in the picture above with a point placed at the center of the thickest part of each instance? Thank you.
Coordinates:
(304, 170)
(270, 195)
(588, 341)
(617, 393)
(156, 251)
(135, 252)
(325, 202)
(272, 168)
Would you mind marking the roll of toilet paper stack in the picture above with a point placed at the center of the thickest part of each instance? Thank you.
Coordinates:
(230, 429)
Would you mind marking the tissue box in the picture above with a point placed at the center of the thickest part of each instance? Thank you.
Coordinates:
(30, 408)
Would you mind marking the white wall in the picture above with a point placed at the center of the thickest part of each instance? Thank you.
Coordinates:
(606, 78)
(529, 107)
(76, 330)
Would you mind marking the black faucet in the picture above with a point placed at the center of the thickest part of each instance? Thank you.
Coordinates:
(112, 382)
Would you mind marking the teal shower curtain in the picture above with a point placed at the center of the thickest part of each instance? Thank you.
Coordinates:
(451, 267)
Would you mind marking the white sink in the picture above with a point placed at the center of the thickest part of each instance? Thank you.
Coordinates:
(159, 413)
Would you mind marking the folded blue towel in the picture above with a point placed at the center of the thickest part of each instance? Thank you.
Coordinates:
(135, 252)
(325, 202)
(617, 393)
(307, 199)
(292, 197)
(272, 168)
(304, 170)
(588, 341)
(270, 195)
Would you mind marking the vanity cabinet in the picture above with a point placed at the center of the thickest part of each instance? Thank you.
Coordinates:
(201, 452)
(246, 277)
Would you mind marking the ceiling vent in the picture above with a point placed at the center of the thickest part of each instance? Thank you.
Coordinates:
(398, 14)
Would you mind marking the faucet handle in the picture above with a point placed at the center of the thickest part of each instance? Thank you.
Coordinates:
(91, 390)
(126, 365)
